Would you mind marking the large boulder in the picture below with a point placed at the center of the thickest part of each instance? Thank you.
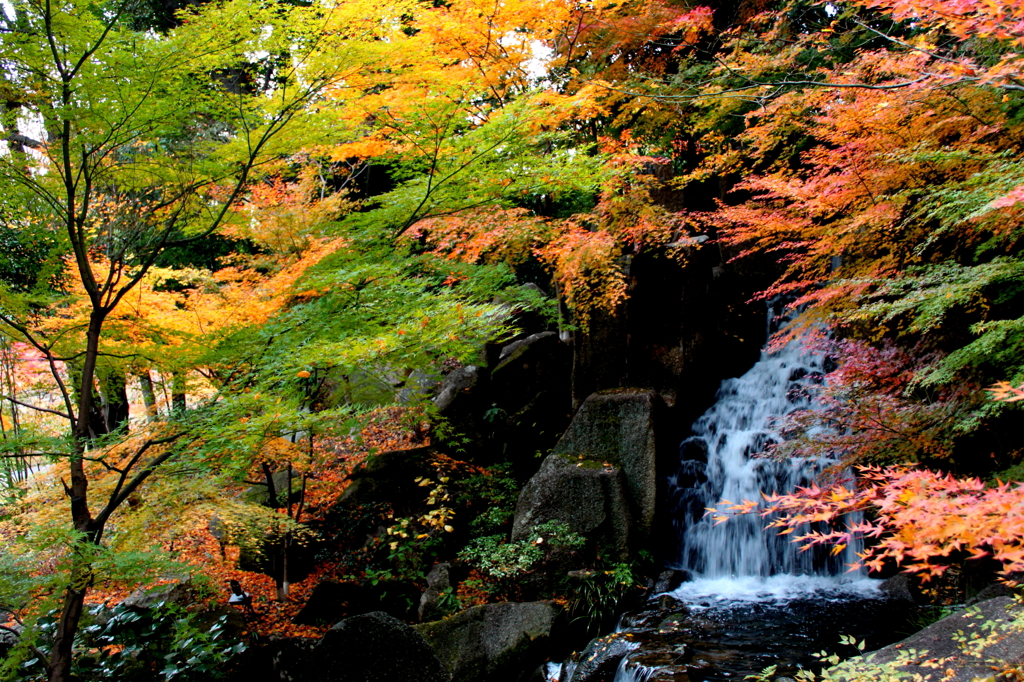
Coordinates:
(331, 601)
(977, 643)
(494, 642)
(373, 647)
(457, 382)
(390, 477)
(260, 494)
(618, 427)
(589, 497)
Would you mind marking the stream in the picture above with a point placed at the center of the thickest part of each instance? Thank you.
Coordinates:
(754, 599)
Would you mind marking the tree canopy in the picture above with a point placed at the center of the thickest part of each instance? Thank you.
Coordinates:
(267, 220)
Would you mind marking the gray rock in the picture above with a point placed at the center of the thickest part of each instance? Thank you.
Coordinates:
(901, 587)
(416, 386)
(516, 348)
(171, 593)
(600, 660)
(457, 381)
(991, 592)
(975, 643)
(374, 647)
(670, 580)
(10, 631)
(260, 494)
(667, 602)
(618, 427)
(494, 642)
(437, 583)
(588, 497)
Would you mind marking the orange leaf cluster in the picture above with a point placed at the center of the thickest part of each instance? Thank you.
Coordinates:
(918, 517)
(1007, 393)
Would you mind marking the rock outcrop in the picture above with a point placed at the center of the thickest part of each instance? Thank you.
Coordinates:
(617, 427)
(494, 642)
(977, 643)
(588, 497)
(602, 477)
(373, 647)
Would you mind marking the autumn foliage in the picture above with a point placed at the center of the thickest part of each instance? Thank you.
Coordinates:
(916, 519)
(265, 222)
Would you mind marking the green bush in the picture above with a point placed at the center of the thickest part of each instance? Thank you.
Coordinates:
(127, 644)
(502, 559)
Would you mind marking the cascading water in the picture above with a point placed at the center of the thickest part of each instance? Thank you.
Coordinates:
(755, 600)
(718, 464)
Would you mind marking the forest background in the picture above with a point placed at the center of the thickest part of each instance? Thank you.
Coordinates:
(270, 221)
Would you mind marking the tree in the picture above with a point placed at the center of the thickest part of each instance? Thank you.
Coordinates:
(123, 144)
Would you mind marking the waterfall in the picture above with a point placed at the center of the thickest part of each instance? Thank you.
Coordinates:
(718, 463)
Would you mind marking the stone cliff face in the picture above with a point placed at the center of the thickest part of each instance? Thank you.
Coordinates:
(688, 322)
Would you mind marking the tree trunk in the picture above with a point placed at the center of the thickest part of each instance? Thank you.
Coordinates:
(81, 517)
(93, 421)
(268, 473)
(115, 404)
(148, 395)
(67, 626)
(178, 402)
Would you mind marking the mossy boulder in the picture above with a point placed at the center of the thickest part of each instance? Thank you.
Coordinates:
(587, 496)
(373, 647)
(494, 642)
(618, 427)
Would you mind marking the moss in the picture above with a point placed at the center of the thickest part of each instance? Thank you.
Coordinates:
(584, 462)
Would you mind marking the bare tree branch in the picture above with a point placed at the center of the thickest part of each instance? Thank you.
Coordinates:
(37, 408)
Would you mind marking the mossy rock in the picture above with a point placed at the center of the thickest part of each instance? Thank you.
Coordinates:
(494, 642)
(617, 427)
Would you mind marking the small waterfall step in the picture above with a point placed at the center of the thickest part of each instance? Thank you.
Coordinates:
(756, 600)
(718, 463)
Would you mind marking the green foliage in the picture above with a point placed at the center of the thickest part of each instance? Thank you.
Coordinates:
(503, 161)
(595, 596)
(163, 642)
(504, 559)
(496, 491)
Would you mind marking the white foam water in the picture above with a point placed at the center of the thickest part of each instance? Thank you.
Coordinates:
(632, 672)
(783, 587)
(719, 462)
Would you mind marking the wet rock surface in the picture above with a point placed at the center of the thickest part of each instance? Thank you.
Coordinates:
(715, 639)
(978, 642)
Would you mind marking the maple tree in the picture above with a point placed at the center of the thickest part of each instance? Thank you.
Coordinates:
(125, 144)
(870, 148)
(918, 519)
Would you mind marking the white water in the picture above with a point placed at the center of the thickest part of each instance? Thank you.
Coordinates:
(742, 423)
(783, 587)
(632, 672)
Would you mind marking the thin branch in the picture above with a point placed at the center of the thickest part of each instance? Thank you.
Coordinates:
(18, 138)
(35, 407)
(39, 654)
(123, 490)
